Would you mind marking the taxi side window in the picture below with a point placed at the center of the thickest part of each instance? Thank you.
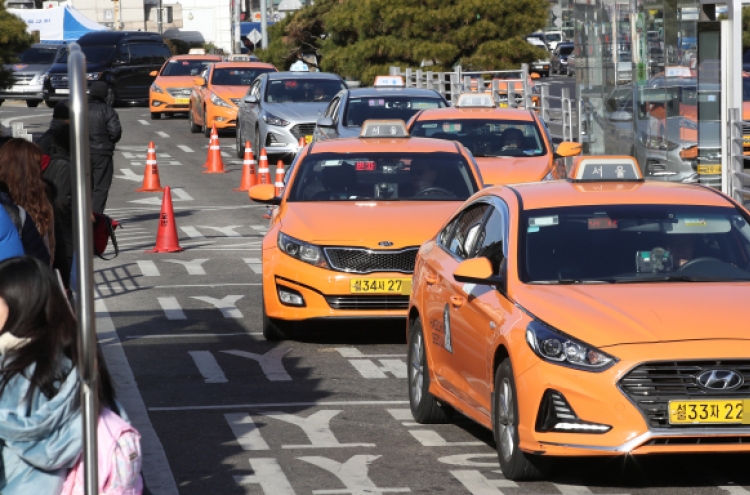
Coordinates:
(255, 89)
(331, 110)
(463, 240)
(491, 241)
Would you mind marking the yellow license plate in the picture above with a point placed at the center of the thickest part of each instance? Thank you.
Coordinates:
(380, 286)
(308, 139)
(683, 412)
(709, 169)
(503, 105)
(182, 101)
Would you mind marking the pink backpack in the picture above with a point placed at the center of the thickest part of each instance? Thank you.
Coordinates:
(119, 459)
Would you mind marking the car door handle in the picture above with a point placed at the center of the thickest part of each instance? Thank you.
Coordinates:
(457, 301)
(431, 279)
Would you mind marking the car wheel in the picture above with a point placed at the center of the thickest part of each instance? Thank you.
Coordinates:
(240, 148)
(273, 330)
(206, 130)
(50, 104)
(515, 463)
(256, 146)
(193, 127)
(32, 103)
(1, 102)
(424, 407)
(155, 115)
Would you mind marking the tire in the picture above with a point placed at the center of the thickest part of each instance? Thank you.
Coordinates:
(239, 145)
(515, 463)
(155, 115)
(272, 329)
(50, 104)
(424, 407)
(206, 130)
(256, 144)
(32, 103)
(193, 128)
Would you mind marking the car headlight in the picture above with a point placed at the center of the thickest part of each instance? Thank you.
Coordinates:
(93, 76)
(216, 100)
(556, 347)
(274, 120)
(303, 251)
(156, 89)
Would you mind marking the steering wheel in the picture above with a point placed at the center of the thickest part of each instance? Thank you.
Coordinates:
(428, 191)
(696, 261)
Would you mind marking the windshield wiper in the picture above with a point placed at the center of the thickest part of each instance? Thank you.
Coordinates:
(571, 281)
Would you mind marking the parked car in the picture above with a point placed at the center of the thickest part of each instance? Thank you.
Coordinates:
(559, 59)
(28, 73)
(572, 65)
(122, 59)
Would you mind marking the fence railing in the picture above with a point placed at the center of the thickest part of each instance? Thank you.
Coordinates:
(735, 181)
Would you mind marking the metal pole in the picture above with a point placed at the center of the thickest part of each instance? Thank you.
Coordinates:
(81, 179)
(159, 16)
(236, 24)
(264, 23)
(565, 103)
(736, 159)
(544, 103)
(526, 91)
(581, 121)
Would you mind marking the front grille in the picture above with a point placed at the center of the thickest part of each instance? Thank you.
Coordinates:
(179, 92)
(722, 440)
(652, 385)
(360, 260)
(746, 128)
(59, 81)
(302, 130)
(22, 79)
(368, 302)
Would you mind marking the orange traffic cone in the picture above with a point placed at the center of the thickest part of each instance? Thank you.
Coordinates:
(302, 142)
(213, 135)
(214, 163)
(264, 174)
(151, 181)
(279, 183)
(166, 235)
(249, 178)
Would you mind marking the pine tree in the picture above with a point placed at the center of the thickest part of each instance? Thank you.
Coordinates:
(13, 40)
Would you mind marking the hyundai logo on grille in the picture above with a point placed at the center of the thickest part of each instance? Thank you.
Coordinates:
(385, 243)
(720, 380)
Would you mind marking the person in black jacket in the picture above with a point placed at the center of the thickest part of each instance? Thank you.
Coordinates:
(104, 133)
(57, 173)
(60, 117)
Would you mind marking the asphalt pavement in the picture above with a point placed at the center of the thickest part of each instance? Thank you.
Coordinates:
(222, 411)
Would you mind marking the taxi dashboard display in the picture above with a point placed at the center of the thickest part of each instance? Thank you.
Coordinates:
(634, 243)
(486, 138)
(383, 177)
(387, 107)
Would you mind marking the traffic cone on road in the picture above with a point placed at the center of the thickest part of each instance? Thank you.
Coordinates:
(166, 235)
(214, 135)
(249, 178)
(151, 181)
(279, 183)
(214, 163)
(302, 142)
(264, 174)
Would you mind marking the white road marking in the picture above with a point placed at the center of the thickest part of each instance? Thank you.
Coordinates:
(255, 265)
(208, 367)
(317, 428)
(248, 435)
(572, 489)
(260, 228)
(184, 148)
(225, 154)
(180, 286)
(227, 231)
(353, 474)
(128, 174)
(191, 335)
(403, 415)
(156, 470)
(369, 369)
(35, 115)
(227, 305)
(193, 267)
(142, 156)
(171, 307)
(162, 134)
(466, 460)
(353, 352)
(295, 405)
(148, 268)
(270, 363)
(159, 161)
(178, 194)
(192, 232)
(268, 475)
(144, 122)
(478, 484)
(431, 438)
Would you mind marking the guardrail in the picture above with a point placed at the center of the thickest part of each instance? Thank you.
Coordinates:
(735, 181)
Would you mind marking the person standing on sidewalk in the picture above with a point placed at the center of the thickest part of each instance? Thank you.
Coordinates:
(104, 132)
(60, 117)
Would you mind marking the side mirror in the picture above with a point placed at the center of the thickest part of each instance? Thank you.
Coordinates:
(264, 193)
(325, 122)
(153, 73)
(199, 81)
(476, 271)
(535, 75)
(250, 99)
(567, 148)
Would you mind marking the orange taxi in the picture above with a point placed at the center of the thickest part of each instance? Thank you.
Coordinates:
(597, 316)
(216, 94)
(350, 220)
(170, 91)
(510, 145)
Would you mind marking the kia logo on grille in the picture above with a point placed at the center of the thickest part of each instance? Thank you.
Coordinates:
(385, 243)
(720, 380)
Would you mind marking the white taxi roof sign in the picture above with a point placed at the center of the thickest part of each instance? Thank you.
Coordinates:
(197, 51)
(389, 82)
(475, 100)
(605, 169)
(299, 66)
(384, 129)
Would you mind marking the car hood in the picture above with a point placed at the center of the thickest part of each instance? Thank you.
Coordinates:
(608, 315)
(27, 68)
(296, 112)
(510, 170)
(176, 81)
(229, 91)
(366, 223)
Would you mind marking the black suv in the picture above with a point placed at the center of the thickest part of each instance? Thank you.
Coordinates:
(122, 59)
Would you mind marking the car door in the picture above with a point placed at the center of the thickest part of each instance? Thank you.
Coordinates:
(199, 93)
(253, 110)
(452, 348)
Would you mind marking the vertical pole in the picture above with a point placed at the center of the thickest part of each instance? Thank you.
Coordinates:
(160, 16)
(466, 87)
(429, 81)
(495, 91)
(455, 87)
(525, 85)
(581, 119)
(237, 48)
(264, 23)
(730, 182)
(407, 77)
(544, 103)
(565, 103)
(81, 179)
(393, 71)
(419, 79)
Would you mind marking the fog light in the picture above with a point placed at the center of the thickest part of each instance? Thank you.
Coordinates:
(555, 414)
(220, 119)
(156, 103)
(290, 297)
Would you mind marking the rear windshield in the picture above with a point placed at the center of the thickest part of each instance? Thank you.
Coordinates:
(303, 90)
(95, 54)
(237, 76)
(383, 177)
(37, 56)
(553, 37)
(387, 107)
(191, 67)
(566, 50)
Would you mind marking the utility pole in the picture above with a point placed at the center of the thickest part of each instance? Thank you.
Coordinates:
(236, 24)
(264, 23)
(159, 13)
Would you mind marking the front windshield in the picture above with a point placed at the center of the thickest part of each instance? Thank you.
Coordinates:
(237, 76)
(37, 56)
(302, 90)
(553, 37)
(95, 54)
(190, 67)
(634, 243)
(387, 107)
(486, 137)
(383, 177)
